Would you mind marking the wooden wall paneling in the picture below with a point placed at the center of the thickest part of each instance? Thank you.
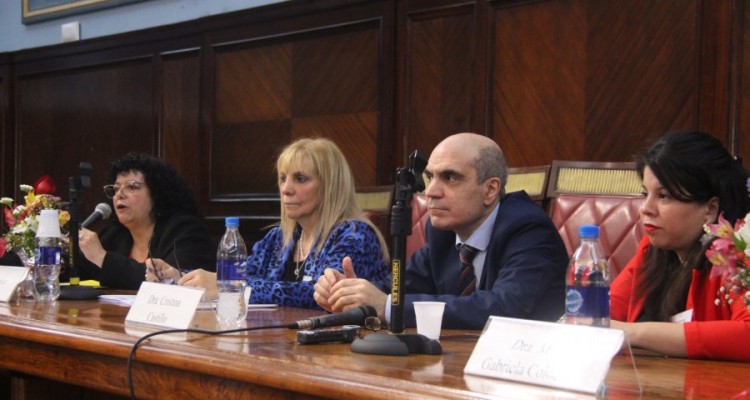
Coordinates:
(715, 63)
(278, 90)
(590, 80)
(179, 124)
(643, 74)
(335, 93)
(6, 129)
(239, 105)
(742, 49)
(95, 114)
(332, 21)
(438, 73)
(270, 91)
(537, 80)
(181, 138)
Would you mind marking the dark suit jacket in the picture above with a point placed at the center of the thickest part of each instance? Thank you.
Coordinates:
(181, 236)
(523, 276)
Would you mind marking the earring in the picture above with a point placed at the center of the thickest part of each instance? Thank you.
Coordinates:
(707, 236)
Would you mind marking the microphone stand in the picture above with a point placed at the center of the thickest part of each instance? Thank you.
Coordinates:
(397, 342)
(77, 184)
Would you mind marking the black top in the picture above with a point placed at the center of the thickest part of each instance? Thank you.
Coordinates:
(182, 241)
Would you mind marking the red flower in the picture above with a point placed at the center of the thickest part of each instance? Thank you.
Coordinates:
(45, 185)
(3, 247)
(9, 219)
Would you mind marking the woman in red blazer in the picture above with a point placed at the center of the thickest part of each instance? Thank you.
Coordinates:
(665, 298)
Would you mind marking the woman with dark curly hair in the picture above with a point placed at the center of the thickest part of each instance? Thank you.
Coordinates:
(155, 218)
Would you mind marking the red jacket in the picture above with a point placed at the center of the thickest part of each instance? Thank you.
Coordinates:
(716, 331)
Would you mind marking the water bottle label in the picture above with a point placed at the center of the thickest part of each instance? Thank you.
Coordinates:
(47, 255)
(587, 301)
(230, 270)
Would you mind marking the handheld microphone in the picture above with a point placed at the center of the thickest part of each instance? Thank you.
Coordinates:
(102, 210)
(355, 316)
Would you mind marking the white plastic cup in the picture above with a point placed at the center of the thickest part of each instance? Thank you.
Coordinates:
(429, 318)
(49, 224)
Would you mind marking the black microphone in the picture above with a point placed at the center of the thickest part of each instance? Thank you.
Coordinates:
(355, 316)
(102, 210)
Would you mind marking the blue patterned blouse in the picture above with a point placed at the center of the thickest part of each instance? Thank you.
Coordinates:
(265, 266)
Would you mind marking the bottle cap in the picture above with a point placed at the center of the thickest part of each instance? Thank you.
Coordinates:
(232, 222)
(49, 224)
(588, 231)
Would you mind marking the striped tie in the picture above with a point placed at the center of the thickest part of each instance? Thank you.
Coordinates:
(467, 281)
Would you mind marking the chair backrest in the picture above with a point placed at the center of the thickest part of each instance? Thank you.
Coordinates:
(593, 177)
(376, 201)
(607, 194)
(617, 217)
(531, 179)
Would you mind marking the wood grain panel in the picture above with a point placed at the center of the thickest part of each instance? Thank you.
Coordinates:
(439, 82)
(180, 124)
(94, 115)
(243, 158)
(336, 71)
(253, 83)
(355, 134)
(6, 138)
(263, 103)
(717, 75)
(642, 74)
(537, 81)
(591, 80)
(743, 123)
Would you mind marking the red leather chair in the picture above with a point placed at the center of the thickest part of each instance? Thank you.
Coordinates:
(617, 217)
(600, 193)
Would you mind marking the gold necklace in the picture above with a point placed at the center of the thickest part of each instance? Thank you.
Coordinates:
(300, 258)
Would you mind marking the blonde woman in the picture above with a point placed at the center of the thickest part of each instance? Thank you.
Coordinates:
(320, 225)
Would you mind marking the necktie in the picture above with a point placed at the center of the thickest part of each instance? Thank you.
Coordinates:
(467, 282)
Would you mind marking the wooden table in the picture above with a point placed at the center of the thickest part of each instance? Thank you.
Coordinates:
(86, 343)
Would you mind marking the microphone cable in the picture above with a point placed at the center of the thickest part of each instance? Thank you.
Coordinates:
(189, 330)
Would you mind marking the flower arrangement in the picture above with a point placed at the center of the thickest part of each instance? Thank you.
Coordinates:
(22, 219)
(730, 256)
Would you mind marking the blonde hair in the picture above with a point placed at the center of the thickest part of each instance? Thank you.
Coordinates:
(323, 159)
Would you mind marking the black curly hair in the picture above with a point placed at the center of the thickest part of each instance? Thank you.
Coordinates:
(170, 192)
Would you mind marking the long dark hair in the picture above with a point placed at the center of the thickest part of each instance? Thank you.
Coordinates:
(170, 193)
(693, 166)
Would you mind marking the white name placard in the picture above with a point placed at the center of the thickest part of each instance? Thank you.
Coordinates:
(169, 306)
(570, 357)
(10, 277)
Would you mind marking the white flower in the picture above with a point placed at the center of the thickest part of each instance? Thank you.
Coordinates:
(20, 228)
(6, 201)
(32, 223)
(26, 188)
(17, 211)
(744, 233)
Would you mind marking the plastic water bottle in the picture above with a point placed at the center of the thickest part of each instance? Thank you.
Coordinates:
(47, 261)
(587, 282)
(231, 307)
